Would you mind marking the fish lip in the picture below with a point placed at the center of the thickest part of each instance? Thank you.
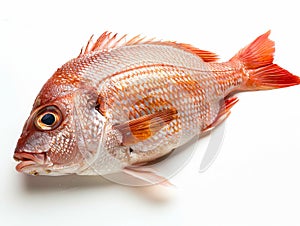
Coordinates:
(28, 159)
(23, 164)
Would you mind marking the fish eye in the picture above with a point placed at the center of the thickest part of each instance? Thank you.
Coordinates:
(48, 118)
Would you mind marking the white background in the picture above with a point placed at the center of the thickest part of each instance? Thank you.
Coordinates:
(254, 180)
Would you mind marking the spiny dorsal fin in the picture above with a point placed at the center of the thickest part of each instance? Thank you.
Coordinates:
(109, 40)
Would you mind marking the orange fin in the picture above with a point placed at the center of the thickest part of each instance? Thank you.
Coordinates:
(206, 56)
(260, 71)
(148, 176)
(144, 127)
(258, 53)
(223, 113)
(270, 77)
(108, 40)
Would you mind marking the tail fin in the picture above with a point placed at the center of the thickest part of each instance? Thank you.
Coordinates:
(257, 59)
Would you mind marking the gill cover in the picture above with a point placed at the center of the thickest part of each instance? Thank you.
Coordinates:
(90, 132)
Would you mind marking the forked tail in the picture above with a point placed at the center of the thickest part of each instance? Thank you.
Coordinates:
(260, 72)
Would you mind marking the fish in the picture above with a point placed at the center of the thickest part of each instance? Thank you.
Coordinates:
(124, 103)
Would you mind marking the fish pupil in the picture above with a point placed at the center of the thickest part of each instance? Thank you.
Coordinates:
(48, 119)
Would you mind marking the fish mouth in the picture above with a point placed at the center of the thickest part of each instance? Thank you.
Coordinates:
(26, 159)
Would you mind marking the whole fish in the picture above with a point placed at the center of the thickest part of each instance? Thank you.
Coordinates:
(122, 104)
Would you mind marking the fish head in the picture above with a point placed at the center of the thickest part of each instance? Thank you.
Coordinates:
(64, 131)
(47, 145)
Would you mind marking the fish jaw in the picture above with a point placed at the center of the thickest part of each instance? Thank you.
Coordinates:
(31, 163)
(39, 164)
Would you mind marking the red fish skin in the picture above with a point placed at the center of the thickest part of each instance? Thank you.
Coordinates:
(141, 98)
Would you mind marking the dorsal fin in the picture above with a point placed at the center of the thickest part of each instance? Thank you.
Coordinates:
(109, 40)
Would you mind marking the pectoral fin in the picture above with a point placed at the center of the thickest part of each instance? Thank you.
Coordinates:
(140, 129)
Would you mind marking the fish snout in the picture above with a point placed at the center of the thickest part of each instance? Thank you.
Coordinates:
(27, 159)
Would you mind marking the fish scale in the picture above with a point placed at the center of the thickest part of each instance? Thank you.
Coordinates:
(123, 103)
(163, 81)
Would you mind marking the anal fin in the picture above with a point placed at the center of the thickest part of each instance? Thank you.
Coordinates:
(223, 113)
